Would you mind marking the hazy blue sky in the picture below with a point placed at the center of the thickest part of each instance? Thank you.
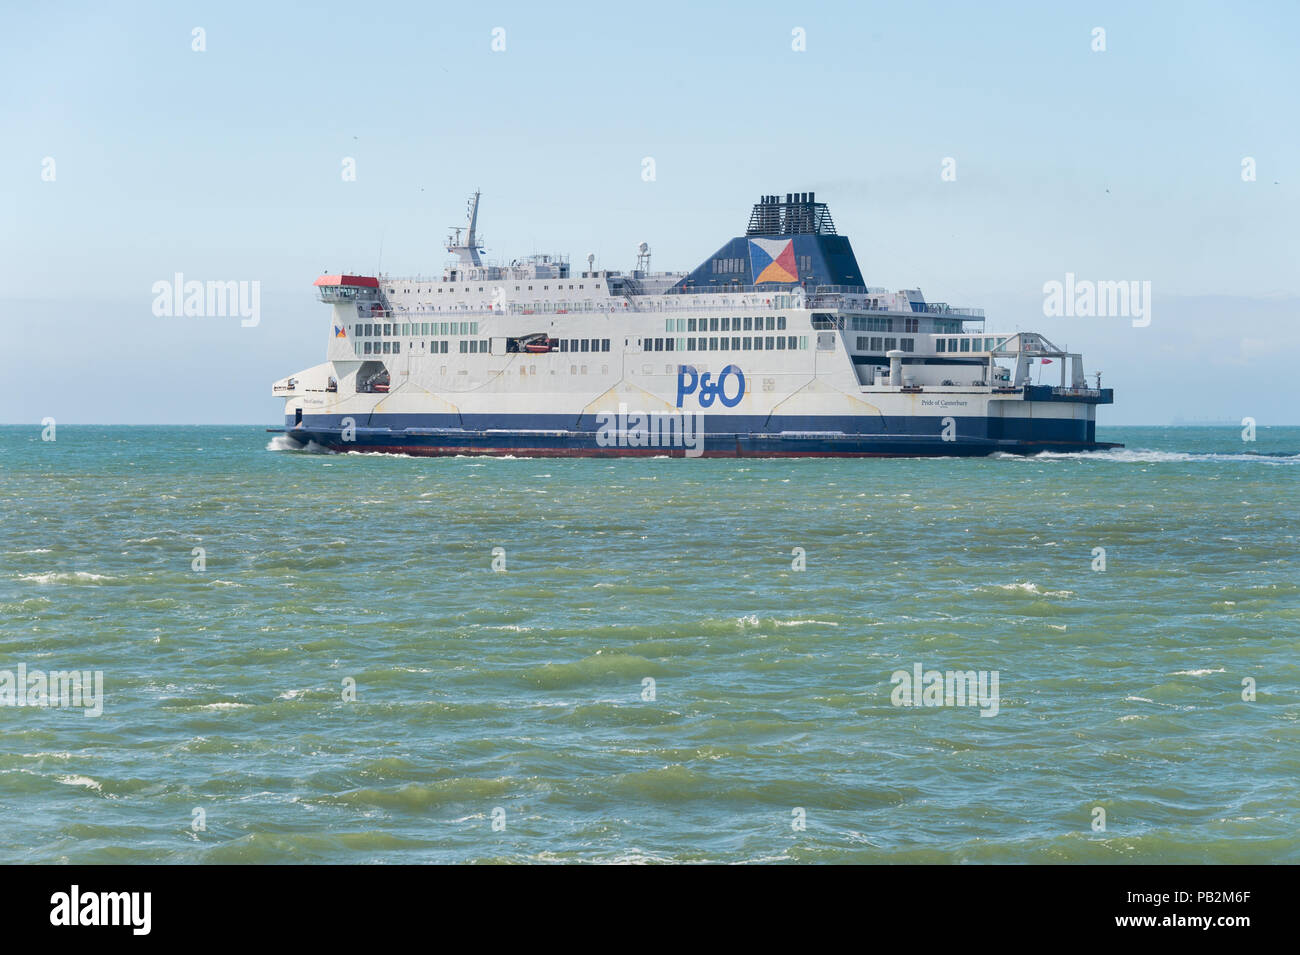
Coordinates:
(225, 164)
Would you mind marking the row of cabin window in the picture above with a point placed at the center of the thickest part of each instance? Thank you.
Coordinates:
(740, 343)
(435, 348)
(389, 348)
(584, 344)
(545, 288)
(416, 328)
(885, 344)
(965, 344)
(474, 346)
(863, 324)
(773, 323)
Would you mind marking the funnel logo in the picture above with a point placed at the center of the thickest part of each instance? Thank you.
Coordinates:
(773, 260)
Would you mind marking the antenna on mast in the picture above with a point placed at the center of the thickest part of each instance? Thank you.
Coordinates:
(468, 252)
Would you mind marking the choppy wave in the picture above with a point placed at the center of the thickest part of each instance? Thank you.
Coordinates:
(1029, 587)
(282, 442)
(1150, 456)
(66, 577)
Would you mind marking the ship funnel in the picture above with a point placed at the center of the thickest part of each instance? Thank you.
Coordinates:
(800, 214)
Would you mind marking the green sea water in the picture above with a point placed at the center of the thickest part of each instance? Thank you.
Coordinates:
(506, 715)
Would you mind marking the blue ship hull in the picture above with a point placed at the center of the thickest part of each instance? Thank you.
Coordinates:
(725, 436)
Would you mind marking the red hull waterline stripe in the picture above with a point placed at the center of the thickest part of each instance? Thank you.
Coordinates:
(449, 451)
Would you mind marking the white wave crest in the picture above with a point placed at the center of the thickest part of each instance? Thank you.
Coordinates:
(1031, 588)
(282, 442)
(75, 577)
(1151, 456)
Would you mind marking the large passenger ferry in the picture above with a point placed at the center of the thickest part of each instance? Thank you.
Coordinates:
(773, 346)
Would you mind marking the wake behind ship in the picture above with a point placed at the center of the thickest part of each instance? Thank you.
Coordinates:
(773, 346)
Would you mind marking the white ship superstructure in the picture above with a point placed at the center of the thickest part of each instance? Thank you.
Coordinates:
(773, 346)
